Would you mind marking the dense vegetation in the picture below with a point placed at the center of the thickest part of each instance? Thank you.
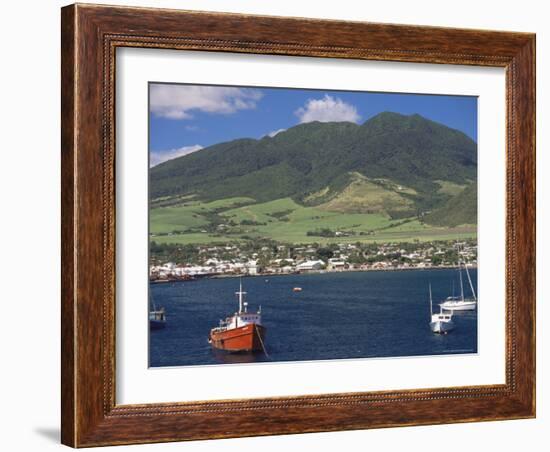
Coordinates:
(391, 168)
(460, 209)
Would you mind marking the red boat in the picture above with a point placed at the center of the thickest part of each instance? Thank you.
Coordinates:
(241, 332)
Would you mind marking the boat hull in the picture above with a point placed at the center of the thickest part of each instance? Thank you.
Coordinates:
(459, 307)
(156, 324)
(440, 327)
(246, 338)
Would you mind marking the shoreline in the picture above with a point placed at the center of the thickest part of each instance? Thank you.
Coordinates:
(310, 272)
(322, 272)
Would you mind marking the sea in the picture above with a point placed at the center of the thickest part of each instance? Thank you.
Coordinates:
(344, 315)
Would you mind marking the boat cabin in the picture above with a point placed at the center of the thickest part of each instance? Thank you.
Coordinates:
(238, 320)
(441, 317)
(244, 318)
(158, 315)
(453, 299)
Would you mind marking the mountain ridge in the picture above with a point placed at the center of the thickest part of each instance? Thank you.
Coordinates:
(408, 150)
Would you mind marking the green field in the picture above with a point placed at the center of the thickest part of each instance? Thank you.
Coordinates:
(187, 215)
(283, 220)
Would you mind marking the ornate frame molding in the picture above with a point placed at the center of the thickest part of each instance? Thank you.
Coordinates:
(90, 36)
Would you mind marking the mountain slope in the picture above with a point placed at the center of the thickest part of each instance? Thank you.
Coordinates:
(364, 195)
(460, 209)
(313, 164)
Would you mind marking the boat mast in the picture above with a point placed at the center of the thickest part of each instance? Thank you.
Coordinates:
(431, 307)
(470, 281)
(240, 293)
(461, 285)
(453, 286)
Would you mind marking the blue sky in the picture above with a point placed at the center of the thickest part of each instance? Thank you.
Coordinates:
(185, 118)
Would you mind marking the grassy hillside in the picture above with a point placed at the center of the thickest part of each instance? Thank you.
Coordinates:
(459, 210)
(284, 220)
(393, 178)
(188, 215)
(363, 195)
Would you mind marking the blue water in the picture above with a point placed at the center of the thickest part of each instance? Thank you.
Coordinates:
(336, 316)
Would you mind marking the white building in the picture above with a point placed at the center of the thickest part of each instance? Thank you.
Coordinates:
(310, 265)
(336, 264)
(252, 267)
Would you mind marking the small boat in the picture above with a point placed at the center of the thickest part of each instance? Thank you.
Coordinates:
(241, 332)
(297, 289)
(157, 317)
(461, 303)
(442, 322)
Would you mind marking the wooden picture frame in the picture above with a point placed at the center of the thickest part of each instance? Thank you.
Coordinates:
(90, 36)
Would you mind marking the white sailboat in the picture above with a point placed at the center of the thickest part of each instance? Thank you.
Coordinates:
(461, 303)
(442, 322)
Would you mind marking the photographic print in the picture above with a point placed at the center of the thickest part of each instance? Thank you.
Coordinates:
(302, 224)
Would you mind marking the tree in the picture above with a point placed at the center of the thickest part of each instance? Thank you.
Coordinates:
(324, 253)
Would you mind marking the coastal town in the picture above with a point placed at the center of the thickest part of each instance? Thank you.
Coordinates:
(263, 257)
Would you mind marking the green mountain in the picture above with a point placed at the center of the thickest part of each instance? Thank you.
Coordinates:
(392, 163)
(460, 209)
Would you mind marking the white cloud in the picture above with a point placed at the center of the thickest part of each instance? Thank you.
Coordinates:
(327, 109)
(274, 132)
(158, 157)
(179, 101)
